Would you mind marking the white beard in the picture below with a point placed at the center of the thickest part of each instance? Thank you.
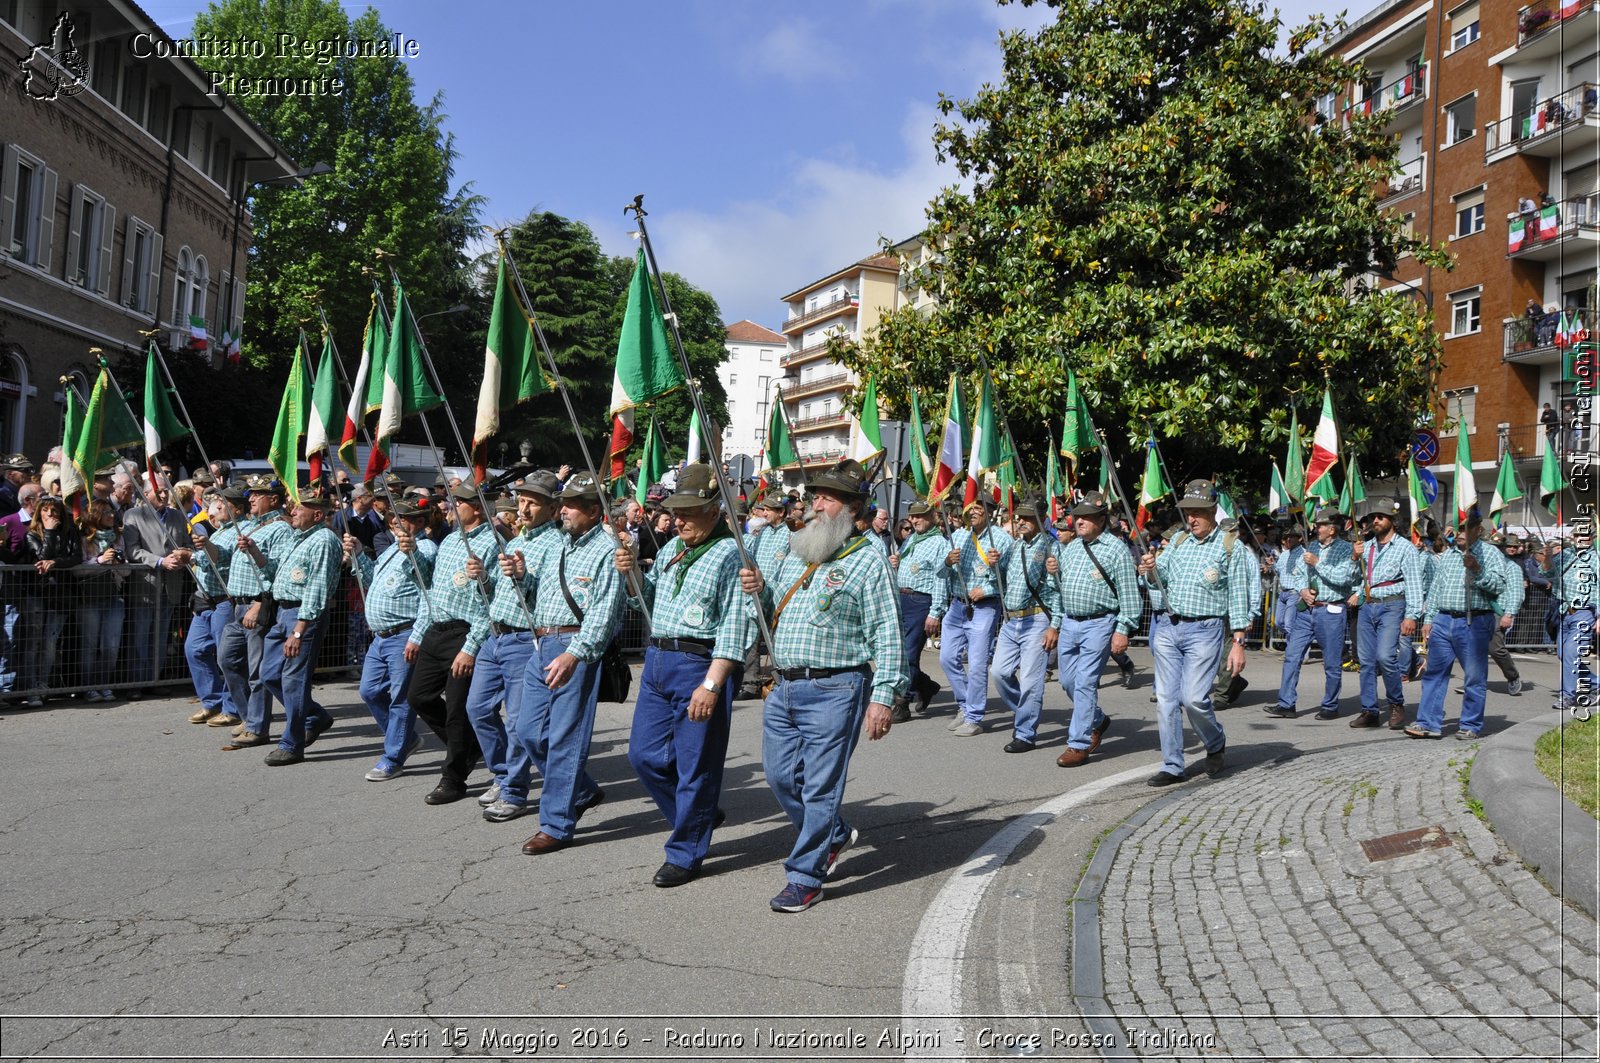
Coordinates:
(822, 537)
(755, 524)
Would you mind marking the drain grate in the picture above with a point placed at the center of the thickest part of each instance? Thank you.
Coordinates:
(1407, 841)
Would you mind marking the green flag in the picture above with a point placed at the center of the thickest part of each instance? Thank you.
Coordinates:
(1277, 498)
(294, 413)
(510, 369)
(406, 390)
(1551, 482)
(988, 452)
(1152, 489)
(107, 425)
(1055, 485)
(866, 441)
(654, 464)
(71, 425)
(921, 462)
(1506, 491)
(780, 451)
(321, 428)
(1354, 491)
(1294, 466)
(161, 425)
(377, 342)
(1077, 432)
(1417, 496)
(646, 367)
(1008, 473)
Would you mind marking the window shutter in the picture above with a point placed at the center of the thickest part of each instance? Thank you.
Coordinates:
(108, 229)
(237, 311)
(74, 233)
(47, 219)
(130, 242)
(153, 288)
(8, 195)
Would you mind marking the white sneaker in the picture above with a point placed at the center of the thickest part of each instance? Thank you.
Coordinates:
(93, 695)
(381, 773)
(1514, 688)
(500, 811)
(34, 702)
(967, 729)
(489, 796)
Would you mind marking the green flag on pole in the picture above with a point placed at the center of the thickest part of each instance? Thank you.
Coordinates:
(71, 425)
(780, 451)
(510, 368)
(406, 391)
(654, 464)
(988, 452)
(1077, 432)
(324, 414)
(1294, 466)
(1551, 481)
(866, 440)
(294, 414)
(161, 425)
(921, 463)
(1506, 491)
(107, 425)
(1152, 489)
(1277, 497)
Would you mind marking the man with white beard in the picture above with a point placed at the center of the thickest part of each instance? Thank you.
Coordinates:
(840, 663)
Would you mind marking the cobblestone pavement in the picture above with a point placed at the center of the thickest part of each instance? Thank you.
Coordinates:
(1243, 918)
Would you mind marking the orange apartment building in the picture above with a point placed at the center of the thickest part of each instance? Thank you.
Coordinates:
(1494, 108)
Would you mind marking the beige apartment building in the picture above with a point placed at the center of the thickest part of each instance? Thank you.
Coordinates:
(121, 202)
(1493, 106)
(847, 303)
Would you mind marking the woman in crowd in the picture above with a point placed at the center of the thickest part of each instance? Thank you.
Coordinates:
(101, 607)
(54, 548)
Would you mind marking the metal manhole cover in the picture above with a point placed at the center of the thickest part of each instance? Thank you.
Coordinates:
(1407, 841)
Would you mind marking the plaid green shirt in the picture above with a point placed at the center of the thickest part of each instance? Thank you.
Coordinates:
(214, 577)
(1204, 578)
(1449, 589)
(768, 548)
(974, 571)
(922, 568)
(245, 579)
(1082, 591)
(1575, 577)
(1333, 577)
(1397, 565)
(847, 614)
(1022, 565)
(507, 607)
(707, 606)
(309, 571)
(452, 595)
(393, 595)
(1513, 591)
(595, 585)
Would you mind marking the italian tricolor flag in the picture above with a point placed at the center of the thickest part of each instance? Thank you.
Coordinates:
(1466, 485)
(1325, 444)
(646, 368)
(952, 445)
(1152, 489)
(988, 452)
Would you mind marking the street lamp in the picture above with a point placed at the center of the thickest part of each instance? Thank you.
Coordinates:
(459, 308)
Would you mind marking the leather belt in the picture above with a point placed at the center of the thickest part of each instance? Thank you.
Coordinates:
(1096, 616)
(1457, 613)
(391, 632)
(561, 629)
(818, 673)
(242, 600)
(1176, 619)
(1018, 614)
(987, 599)
(1324, 605)
(697, 647)
(915, 594)
(287, 605)
(496, 628)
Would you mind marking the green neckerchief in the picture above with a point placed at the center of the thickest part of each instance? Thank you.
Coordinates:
(689, 555)
(917, 537)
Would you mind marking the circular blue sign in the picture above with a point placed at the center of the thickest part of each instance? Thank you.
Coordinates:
(1425, 446)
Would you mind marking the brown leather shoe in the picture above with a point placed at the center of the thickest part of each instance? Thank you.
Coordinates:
(1095, 732)
(245, 741)
(1071, 758)
(221, 719)
(1365, 719)
(202, 715)
(1397, 718)
(543, 843)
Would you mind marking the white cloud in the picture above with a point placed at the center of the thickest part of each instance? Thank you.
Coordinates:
(796, 50)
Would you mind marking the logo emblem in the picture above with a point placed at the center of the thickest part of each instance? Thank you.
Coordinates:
(694, 616)
(56, 69)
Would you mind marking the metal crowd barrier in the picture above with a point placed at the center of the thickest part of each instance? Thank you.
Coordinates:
(48, 627)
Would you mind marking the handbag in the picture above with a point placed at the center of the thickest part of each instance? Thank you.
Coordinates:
(616, 676)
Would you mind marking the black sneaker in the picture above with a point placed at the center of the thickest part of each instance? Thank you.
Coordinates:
(1282, 712)
(1327, 714)
(1164, 778)
(1214, 763)
(1127, 677)
(901, 712)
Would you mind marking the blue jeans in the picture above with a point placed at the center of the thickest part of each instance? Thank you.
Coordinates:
(969, 629)
(1018, 670)
(147, 649)
(809, 730)
(1284, 610)
(1378, 647)
(1576, 640)
(1186, 657)
(1080, 655)
(289, 678)
(679, 761)
(498, 674)
(100, 620)
(240, 655)
(556, 725)
(200, 650)
(1327, 628)
(914, 609)
(386, 687)
(1453, 639)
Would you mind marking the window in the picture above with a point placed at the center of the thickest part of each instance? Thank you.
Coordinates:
(1469, 212)
(27, 207)
(199, 285)
(133, 84)
(1460, 410)
(182, 278)
(158, 116)
(1464, 25)
(141, 266)
(763, 383)
(766, 354)
(1460, 119)
(1326, 109)
(1466, 312)
(733, 380)
(89, 241)
(730, 411)
(221, 156)
(107, 65)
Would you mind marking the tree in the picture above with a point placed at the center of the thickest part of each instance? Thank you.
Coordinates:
(389, 189)
(1150, 199)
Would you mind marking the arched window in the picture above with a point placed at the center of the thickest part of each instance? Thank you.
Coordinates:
(199, 279)
(13, 397)
(182, 283)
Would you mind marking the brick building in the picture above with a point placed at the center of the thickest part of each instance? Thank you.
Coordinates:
(122, 184)
(1493, 106)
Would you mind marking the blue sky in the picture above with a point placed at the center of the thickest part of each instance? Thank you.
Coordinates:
(774, 142)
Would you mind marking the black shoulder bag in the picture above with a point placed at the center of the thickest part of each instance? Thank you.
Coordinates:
(616, 678)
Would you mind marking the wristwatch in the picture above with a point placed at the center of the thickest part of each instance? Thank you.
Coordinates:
(1238, 640)
(712, 687)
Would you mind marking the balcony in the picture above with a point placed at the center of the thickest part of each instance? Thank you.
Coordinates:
(1545, 340)
(1410, 179)
(1567, 125)
(813, 424)
(822, 313)
(1528, 442)
(1543, 28)
(1395, 98)
(798, 389)
(1568, 228)
(804, 354)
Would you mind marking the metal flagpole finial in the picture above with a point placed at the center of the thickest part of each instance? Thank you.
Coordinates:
(380, 254)
(97, 350)
(149, 333)
(64, 380)
(636, 208)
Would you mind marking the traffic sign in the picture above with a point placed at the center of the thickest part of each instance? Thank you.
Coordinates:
(1425, 446)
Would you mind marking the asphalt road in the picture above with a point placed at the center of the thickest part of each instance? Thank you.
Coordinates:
(220, 908)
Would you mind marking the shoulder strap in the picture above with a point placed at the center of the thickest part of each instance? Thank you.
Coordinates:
(804, 577)
(1027, 578)
(561, 576)
(1103, 573)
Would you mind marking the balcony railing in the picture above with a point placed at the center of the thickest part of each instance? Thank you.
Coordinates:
(1548, 331)
(1409, 179)
(1400, 92)
(1550, 223)
(849, 302)
(791, 357)
(1535, 20)
(805, 424)
(820, 383)
(1570, 436)
(1543, 119)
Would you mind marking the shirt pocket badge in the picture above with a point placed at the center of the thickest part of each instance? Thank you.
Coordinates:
(1213, 576)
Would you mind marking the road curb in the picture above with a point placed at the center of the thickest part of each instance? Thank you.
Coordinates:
(1558, 841)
